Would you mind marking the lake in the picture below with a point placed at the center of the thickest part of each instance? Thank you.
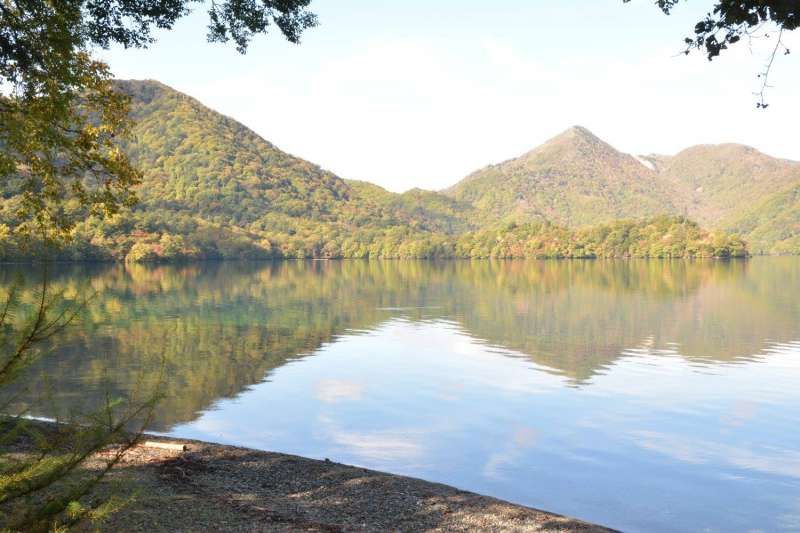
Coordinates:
(643, 395)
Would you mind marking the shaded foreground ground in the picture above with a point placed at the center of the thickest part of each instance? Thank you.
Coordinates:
(224, 488)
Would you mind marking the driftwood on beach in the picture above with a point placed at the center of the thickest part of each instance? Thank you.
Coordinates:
(164, 445)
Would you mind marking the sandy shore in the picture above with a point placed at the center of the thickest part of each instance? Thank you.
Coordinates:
(225, 488)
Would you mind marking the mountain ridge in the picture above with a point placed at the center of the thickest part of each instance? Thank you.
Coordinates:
(213, 188)
(715, 184)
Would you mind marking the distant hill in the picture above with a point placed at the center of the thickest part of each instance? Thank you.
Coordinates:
(773, 224)
(718, 183)
(212, 188)
(576, 179)
(418, 208)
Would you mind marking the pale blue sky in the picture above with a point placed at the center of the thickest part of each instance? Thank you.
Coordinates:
(420, 93)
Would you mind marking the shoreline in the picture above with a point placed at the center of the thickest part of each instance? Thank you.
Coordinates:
(258, 490)
(213, 260)
(202, 486)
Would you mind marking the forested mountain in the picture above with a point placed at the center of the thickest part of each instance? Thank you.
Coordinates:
(197, 161)
(573, 179)
(576, 179)
(213, 188)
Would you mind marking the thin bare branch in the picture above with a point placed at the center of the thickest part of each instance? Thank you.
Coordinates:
(764, 76)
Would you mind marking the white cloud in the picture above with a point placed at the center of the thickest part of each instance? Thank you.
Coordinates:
(766, 459)
(379, 446)
(521, 439)
(373, 446)
(336, 390)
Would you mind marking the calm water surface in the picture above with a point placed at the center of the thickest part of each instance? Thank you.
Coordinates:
(644, 395)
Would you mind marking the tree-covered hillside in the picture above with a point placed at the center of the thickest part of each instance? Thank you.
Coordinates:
(717, 184)
(212, 188)
(577, 180)
(773, 225)
(196, 161)
(574, 179)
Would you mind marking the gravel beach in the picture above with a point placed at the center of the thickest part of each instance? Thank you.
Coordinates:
(224, 488)
(184, 485)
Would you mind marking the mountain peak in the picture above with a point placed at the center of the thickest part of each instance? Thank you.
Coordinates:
(574, 179)
(577, 129)
(577, 132)
(573, 140)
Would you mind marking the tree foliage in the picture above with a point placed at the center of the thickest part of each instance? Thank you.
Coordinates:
(60, 118)
(60, 153)
(730, 20)
(34, 33)
(44, 481)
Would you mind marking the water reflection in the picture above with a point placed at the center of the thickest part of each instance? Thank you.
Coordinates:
(224, 326)
(653, 445)
(642, 394)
